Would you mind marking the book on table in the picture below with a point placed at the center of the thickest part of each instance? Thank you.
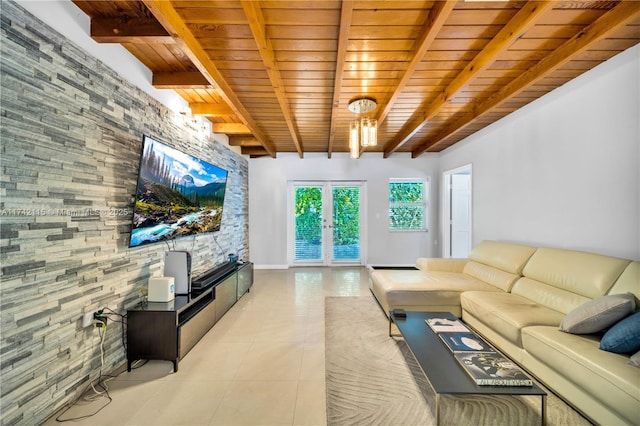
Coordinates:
(446, 325)
(465, 342)
(492, 369)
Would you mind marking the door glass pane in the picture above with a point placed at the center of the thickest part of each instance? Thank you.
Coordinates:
(308, 222)
(346, 223)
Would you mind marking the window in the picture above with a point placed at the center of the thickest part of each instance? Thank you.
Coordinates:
(407, 205)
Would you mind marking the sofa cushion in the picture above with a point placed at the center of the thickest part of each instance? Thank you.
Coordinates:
(565, 279)
(635, 359)
(508, 257)
(606, 376)
(598, 314)
(488, 274)
(586, 274)
(415, 290)
(506, 313)
(547, 295)
(624, 336)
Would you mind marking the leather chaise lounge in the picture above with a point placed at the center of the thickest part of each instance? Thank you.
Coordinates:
(517, 297)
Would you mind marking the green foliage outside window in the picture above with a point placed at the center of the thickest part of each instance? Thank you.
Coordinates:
(406, 206)
(346, 219)
(308, 214)
(346, 216)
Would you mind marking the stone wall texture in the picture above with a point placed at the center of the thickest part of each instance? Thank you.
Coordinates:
(72, 132)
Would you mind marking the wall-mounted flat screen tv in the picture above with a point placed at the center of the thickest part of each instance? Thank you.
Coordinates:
(177, 195)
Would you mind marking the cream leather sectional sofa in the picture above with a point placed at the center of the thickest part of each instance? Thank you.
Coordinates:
(516, 296)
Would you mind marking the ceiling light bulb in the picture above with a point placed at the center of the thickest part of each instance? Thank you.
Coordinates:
(354, 136)
(369, 131)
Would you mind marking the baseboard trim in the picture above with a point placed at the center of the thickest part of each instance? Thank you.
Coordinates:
(270, 266)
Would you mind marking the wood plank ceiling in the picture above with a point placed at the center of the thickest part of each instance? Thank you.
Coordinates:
(277, 76)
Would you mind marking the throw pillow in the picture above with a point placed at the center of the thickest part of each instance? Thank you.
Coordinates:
(635, 359)
(598, 314)
(624, 337)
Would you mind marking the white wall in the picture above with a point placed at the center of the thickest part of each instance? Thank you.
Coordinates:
(563, 171)
(268, 179)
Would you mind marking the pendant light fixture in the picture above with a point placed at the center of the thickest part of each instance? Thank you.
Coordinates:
(363, 132)
(368, 132)
(354, 144)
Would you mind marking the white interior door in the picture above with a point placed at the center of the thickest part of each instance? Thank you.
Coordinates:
(457, 209)
(460, 227)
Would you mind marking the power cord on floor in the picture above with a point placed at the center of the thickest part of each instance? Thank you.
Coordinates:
(100, 383)
(99, 386)
(89, 398)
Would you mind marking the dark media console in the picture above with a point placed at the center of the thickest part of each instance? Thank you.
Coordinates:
(169, 330)
(212, 276)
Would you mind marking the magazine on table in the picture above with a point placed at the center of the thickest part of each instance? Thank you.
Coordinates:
(492, 369)
(465, 342)
(445, 325)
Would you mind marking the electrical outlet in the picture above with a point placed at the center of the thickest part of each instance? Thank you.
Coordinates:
(87, 319)
(101, 317)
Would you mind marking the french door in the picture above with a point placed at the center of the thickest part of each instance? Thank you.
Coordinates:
(326, 223)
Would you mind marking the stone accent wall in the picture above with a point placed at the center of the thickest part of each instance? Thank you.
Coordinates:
(71, 144)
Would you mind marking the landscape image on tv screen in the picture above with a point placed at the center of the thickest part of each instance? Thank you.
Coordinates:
(177, 195)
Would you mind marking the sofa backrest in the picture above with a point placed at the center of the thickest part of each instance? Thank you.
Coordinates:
(565, 279)
(629, 281)
(498, 263)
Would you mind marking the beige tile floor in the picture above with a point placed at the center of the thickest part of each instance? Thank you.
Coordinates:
(261, 364)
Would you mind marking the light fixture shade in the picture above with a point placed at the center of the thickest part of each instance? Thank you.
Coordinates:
(362, 105)
(354, 139)
(363, 132)
(369, 132)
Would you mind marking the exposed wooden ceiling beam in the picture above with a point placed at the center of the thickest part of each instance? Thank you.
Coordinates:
(230, 128)
(244, 141)
(512, 31)
(330, 52)
(166, 14)
(210, 110)
(621, 14)
(180, 80)
(254, 152)
(258, 28)
(129, 30)
(432, 25)
(343, 39)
